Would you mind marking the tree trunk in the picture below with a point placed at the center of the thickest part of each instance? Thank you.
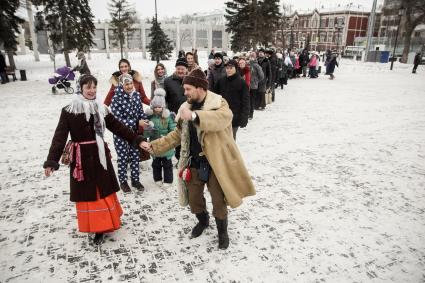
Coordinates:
(121, 43)
(66, 54)
(406, 49)
(64, 37)
(11, 59)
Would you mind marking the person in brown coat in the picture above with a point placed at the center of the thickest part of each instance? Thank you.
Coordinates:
(209, 155)
(92, 177)
(124, 68)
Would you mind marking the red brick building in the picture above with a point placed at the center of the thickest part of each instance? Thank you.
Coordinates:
(322, 30)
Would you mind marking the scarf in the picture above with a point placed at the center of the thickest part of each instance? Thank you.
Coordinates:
(82, 105)
(159, 81)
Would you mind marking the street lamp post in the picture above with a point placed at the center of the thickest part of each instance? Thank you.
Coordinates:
(400, 14)
(292, 37)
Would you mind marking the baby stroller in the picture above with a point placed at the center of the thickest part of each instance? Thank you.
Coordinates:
(61, 80)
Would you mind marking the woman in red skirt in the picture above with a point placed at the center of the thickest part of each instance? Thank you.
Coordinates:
(93, 180)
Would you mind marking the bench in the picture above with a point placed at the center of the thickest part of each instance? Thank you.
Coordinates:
(11, 72)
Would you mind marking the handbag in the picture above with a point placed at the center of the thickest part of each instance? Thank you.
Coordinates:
(66, 154)
(269, 96)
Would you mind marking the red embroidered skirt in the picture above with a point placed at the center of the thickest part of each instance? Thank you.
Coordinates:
(100, 216)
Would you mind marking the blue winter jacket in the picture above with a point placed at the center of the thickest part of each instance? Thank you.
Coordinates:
(128, 108)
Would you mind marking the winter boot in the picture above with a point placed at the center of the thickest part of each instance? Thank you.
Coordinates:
(98, 238)
(223, 237)
(137, 185)
(125, 188)
(204, 222)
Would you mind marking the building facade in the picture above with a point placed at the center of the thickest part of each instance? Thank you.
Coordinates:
(322, 30)
(200, 31)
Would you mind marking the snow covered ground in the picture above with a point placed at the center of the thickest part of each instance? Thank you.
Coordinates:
(339, 168)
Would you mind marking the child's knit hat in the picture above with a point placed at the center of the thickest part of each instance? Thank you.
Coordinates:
(158, 99)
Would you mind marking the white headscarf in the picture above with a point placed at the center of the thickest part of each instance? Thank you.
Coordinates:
(95, 107)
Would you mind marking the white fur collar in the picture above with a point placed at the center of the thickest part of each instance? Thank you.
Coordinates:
(80, 104)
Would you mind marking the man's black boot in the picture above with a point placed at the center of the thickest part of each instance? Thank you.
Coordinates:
(223, 237)
(204, 222)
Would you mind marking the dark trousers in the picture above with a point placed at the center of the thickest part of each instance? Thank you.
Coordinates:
(260, 100)
(280, 82)
(235, 130)
(160, 164)
(177, 153)
(313, 72)
(304, 70)
(4, 78)
(415, 66)
(196, 195)
(253, 94)
(273, 91)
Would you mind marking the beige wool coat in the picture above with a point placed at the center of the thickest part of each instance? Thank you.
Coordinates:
(219, 147)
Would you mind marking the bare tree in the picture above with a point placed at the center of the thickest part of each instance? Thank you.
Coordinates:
(414, 15)
(185, 35)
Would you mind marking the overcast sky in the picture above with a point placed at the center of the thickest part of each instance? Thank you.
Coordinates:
(170, 8)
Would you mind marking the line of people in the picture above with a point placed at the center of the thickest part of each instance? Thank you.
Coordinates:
(189, 114)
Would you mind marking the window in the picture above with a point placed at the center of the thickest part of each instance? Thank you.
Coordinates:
(331, 22)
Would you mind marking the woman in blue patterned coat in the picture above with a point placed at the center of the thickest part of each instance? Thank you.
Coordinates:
(127, 107)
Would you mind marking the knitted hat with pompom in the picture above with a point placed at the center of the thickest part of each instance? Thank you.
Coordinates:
(158, 99)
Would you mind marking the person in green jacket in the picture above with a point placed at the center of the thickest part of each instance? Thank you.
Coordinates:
(161, 123)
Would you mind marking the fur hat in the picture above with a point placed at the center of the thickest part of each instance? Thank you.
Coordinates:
(196, 78)
(182, 62)
(124, 78)
(218, 55)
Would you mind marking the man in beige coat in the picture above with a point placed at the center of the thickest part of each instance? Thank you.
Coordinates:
(204, 131)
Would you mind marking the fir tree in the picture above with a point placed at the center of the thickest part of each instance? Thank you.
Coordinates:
(251, 22)
(268, 23)
(160, 46)
(9, 27)
(69, 23)
(123, 18)
(241, 22)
